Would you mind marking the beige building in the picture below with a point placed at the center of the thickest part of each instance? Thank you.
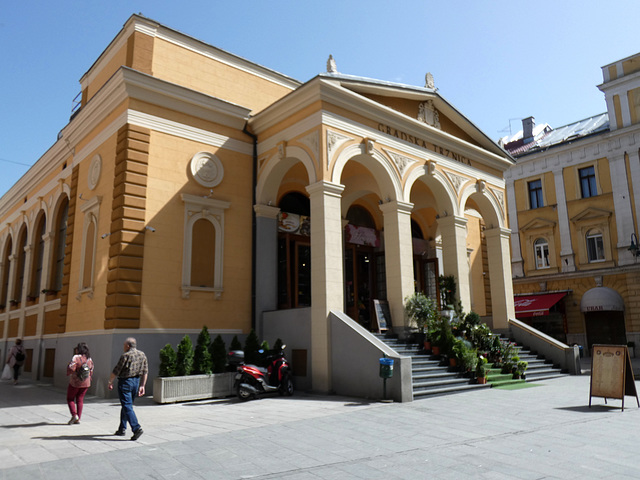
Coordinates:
(193, 187)
(574, 200)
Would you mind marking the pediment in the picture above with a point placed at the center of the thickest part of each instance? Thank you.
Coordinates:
(539, 224)
(591, 213)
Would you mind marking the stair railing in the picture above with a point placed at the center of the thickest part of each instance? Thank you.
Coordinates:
(567, 357)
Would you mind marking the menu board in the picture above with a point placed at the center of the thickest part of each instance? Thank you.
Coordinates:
(612, 373)
(383, 315)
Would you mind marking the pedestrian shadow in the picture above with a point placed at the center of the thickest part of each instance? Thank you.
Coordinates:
(29, 425)
(105, 437)
(592, 409)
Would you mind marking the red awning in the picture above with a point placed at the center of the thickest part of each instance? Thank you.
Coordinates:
(536, 305)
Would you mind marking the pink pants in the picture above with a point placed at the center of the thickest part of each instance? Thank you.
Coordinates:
(75, 396)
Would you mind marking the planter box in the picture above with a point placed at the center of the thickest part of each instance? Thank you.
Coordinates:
(192, 387)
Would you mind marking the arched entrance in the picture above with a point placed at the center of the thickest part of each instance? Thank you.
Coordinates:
(603, 310)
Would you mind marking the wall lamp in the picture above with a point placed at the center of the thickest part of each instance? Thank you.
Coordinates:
(634, 248)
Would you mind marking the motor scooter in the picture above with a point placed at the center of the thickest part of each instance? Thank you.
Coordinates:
(252, 380)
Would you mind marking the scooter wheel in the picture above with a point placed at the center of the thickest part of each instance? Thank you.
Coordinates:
(244, 394)
(287, 386)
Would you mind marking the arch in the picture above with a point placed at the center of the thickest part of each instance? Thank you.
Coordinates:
(436, 181)
(383, 172)
(37, 259)
(20, 250)
(600, 299)
(217, 247)
(58, 232)
(270, 178)
(490, 208)
(6, 268)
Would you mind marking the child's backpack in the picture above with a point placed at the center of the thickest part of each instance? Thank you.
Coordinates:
(83, 371)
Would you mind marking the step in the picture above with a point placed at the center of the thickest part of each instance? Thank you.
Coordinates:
(446, 390)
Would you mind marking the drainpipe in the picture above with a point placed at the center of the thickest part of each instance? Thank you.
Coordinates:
(254, 181)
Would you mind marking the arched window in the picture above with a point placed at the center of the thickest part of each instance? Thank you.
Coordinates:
(541, 248)
(21, 255)
(202, 260)
(595, 246)
(416, 231)
(6, 268)
(295, 202)
(59, 245)
(38, 257)
(91, 211)
(360, 216)
(203, 255)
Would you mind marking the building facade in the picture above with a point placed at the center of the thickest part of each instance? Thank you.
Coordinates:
(193, 187)
(574, 200)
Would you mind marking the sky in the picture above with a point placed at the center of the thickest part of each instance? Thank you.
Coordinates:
(495, 61)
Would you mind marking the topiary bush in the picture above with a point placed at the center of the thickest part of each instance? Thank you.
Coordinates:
(184, 361)
(202, 357)
(218, 355)
(167, 362)
(235, 344)
(251, 347)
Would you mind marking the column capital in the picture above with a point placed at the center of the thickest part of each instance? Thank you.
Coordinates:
(396, 206)
(325, 187)
(452, 221)
(504, 233)
(266, 211)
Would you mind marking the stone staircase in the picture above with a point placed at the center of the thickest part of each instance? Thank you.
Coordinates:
(429, 377)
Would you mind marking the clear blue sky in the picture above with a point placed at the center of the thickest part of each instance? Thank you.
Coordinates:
(496, 61)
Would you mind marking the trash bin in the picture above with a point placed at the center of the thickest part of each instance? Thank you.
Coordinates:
(386, 367)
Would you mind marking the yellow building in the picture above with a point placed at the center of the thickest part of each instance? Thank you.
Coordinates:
(574, 200)
(193, 187)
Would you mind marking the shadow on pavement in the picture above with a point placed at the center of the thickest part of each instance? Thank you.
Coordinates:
(592, 409)
(106, 437)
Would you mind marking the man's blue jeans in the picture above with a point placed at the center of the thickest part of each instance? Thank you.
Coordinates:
(127, 392)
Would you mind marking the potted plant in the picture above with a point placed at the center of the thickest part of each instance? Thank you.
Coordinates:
(482, 368)
(521, 368)
(422, 311)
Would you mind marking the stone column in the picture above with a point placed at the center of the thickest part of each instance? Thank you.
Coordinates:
(327, 285)
(47, 261)
(398, 258)
(26, 281)
(622, 206)
(500, 277)
(266, 275)
(567, 258)
(517, 263)
(453, 230)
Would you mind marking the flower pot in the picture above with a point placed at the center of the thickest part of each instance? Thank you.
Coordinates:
(482, 380)
(427, 344)
(435, 350)
(453, 362)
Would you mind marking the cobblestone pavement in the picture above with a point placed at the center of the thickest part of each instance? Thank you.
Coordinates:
(546, 431)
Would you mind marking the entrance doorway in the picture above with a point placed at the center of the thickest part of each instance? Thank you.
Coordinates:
(425, 271)
(364, 282)
(605, 328)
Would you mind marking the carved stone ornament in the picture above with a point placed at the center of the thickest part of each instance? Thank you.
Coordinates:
(331, 65)
(370, 146)
(456, 180)
(95, 168)
(312, 140)
(428, 114)
(480, 186)
(499, 194)
(334, 140)
(401, 161)
(428, 81)
(207, 169)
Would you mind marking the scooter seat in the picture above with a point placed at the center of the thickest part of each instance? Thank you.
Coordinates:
(260, 369)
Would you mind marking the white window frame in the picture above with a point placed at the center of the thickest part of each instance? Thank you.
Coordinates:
(91, 211)
(593, 235)
(196, 208)
(541, 246)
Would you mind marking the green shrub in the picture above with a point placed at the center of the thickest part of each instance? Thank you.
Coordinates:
(167, 362)
(202, 358)
(235, 344)
(421, 310)
(184, 359)
(218, 354)
(251, 347)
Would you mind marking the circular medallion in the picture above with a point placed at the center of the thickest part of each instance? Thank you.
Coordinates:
(207, 169)
(94, 172)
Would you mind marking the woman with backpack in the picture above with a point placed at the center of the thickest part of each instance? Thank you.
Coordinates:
(79, 371)
(16, 359)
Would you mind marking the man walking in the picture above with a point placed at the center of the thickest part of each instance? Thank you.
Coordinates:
(132, 370)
